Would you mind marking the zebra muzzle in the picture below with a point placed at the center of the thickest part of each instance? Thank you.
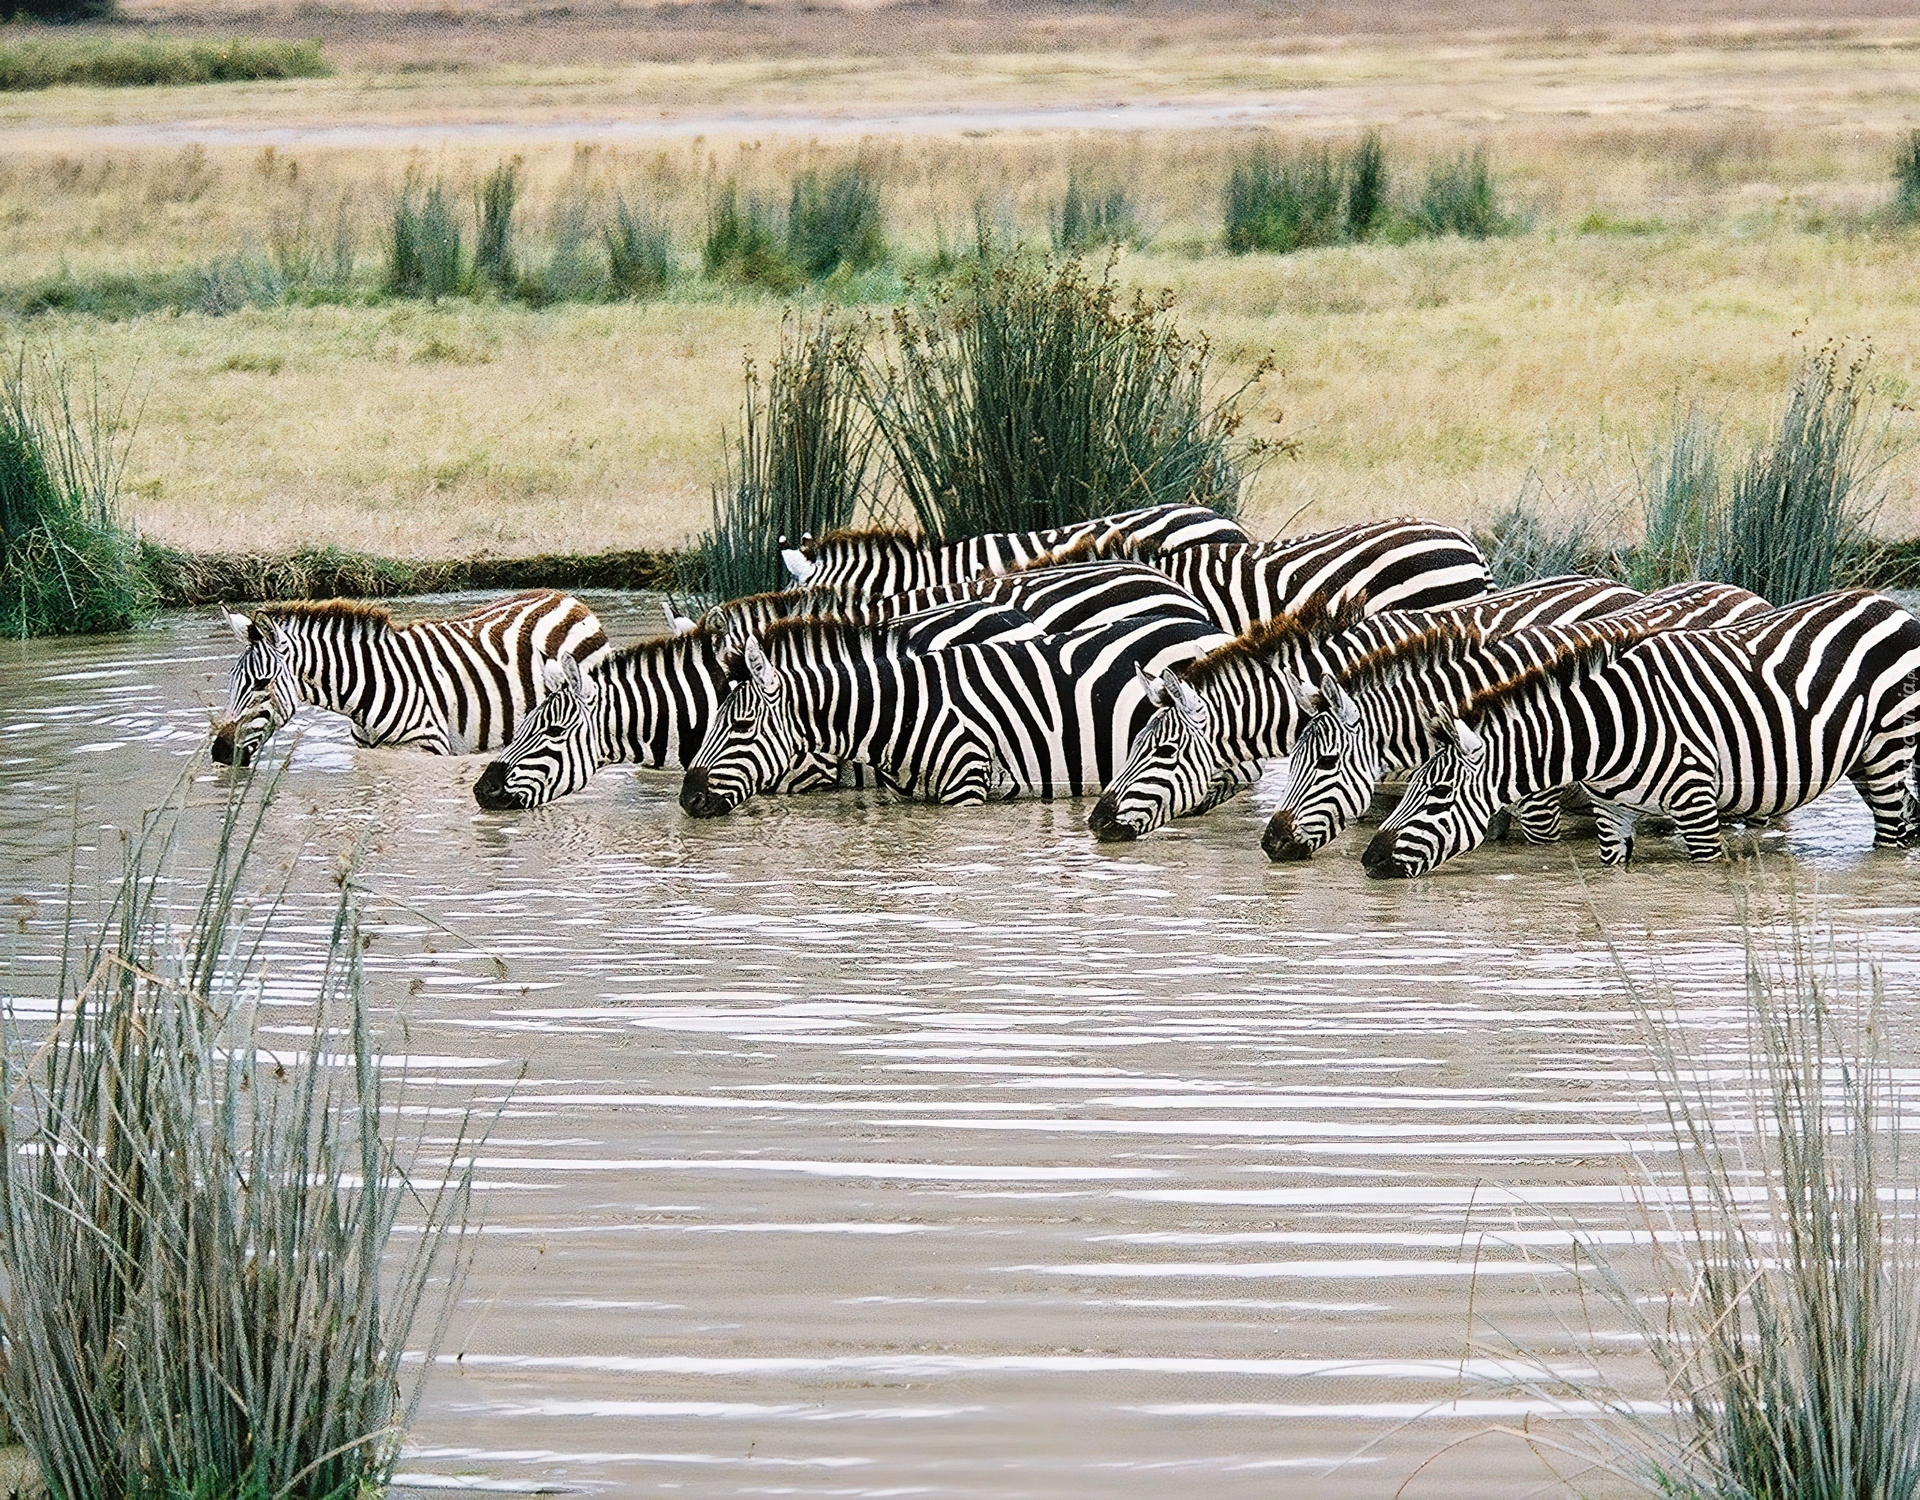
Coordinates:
(490, 791)
(699, 800)
(1281, 842)
(1104, 821)
(1380, 859)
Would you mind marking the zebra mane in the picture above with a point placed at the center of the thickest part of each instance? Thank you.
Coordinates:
(851, 535)
(1582, 649)
(801, 632)
(1312, 621)
(1091, 546)
(349, 610)
(1392, 659)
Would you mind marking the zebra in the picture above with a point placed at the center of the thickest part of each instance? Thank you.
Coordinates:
(1376, 714)
(872, 563)
(1403, 564)
(450, 687)
(1046, 717)
(651, 704)
(1749, 719)
(1237, 706)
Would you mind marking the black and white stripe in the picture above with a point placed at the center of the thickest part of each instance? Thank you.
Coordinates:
(1375, 716)
(1748, 720)
(868, 564)
(1045, 718)
(451, 687)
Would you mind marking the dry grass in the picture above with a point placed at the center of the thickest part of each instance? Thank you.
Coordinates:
(1702, 184)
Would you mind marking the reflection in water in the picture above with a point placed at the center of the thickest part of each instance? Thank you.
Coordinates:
(866, 1149)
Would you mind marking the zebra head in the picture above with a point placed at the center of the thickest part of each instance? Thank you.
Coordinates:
(752, 744)
(554, 751)
(262, 690)
(1335, 765)
(1448, 804)
(1171, 765)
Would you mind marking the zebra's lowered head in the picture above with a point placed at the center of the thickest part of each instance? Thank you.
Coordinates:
(553, 752)
(262, 691)
(1171, 766)
(751, 746)
(1335, 765)
(1447, 808)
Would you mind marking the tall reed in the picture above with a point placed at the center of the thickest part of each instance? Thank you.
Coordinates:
(744, 242)
(803, 461)
(202, 1293)
(69, 563)
(1906, 179)
(493, 257)
(424, 251)
(1783, 1313)
(1091, 217)
(835, 222)
(1034, 396)
(1461, 197)
(1681, 492)
(639, 251)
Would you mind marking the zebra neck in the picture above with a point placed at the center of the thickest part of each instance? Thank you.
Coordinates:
(350, 665)
(1254, 713)
(1541, 744)
(657, 699)
(852, 706)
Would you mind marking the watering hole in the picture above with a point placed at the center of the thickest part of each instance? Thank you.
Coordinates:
(863, 1149)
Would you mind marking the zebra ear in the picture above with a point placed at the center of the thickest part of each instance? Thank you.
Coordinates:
(577, 680)
(1305, 694)
(759, 666)
(239, 624)
(1466, 740)
(1155, 690)
(799, 568)
(1340, 701)
(1180, 695)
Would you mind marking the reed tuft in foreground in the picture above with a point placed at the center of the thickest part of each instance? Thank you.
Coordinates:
(202, 1293)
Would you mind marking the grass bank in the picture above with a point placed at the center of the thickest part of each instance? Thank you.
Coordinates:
(50, 61)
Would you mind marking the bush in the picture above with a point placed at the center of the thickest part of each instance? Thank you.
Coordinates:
(194, 1232)
(1033, 397)
(1460, 198)
(49, 61)
(68, 564)
(804, 454)
(423, 250)
(744, 243)
(639, 252)
(835, 222)
(1311, 199)
(57, 11)
(1088, 219)
(1906, 180)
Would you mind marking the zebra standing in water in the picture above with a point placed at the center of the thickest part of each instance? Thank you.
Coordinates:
(1046, 717)
(869, 564)
(450, 687)
(652, 703)
(1238, 706)
(1376, 715)
(1404, 564)
(1748, 720)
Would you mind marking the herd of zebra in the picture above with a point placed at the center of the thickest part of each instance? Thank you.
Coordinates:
(1161, 657)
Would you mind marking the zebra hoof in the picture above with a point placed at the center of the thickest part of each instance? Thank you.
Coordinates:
(1281, 844)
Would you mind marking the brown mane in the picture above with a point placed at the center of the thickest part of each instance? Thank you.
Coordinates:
(1446, 635)
(1585, 647)
(858, 534)
(1312, 621)
(329, 609)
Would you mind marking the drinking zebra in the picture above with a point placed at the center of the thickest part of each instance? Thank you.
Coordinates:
(450, 687)
(1045, 717)
(1750, 719)
(651, 704)
(1376, 714)
(1404, 564)
(872, 563)
(1238, 705)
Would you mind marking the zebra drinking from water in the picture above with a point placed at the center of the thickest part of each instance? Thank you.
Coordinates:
(869, 564)
(1045, 718)
(1750, 719)
(1238, 704)
(1376, 715)
(450, 687)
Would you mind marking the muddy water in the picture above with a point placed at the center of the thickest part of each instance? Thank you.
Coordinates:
(868, 1150)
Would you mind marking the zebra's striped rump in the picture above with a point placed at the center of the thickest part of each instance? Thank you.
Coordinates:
(1045, 717)
(450, 687)
(1745, 720)
(1376, 714)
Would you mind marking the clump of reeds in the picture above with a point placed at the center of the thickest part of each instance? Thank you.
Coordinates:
(1091, 217)
(835, 222)
(1784, 1315)
(1537, 538)
(1461, 197)
(48, 62)
(1680, 495)
(424, 251)
(1033, 396)
(744, 242)
(69, 564)
(1285, 203)
(1906, 179)
(804, 457)
(201, 1296)
(639, 249)
(493, 258)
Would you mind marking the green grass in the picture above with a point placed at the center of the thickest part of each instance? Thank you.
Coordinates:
(803, 463)
(68, 563)
(1091, 218)
(835, 223)
(1906, 180)
(639, 246)
(424, 249)
(745, 242)
(1783, 1313)
(47, 62)
(493, 258)
(1032, 396)
(203, 1296)
(1537, 538)
(1461, 197)
(1680, 494)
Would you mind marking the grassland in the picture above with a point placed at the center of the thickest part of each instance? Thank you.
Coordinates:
(1704, 191)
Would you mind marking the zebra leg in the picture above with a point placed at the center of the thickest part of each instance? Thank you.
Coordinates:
(1617, 824)
(1696, 818)
(1539, 817)
(1884, 778)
